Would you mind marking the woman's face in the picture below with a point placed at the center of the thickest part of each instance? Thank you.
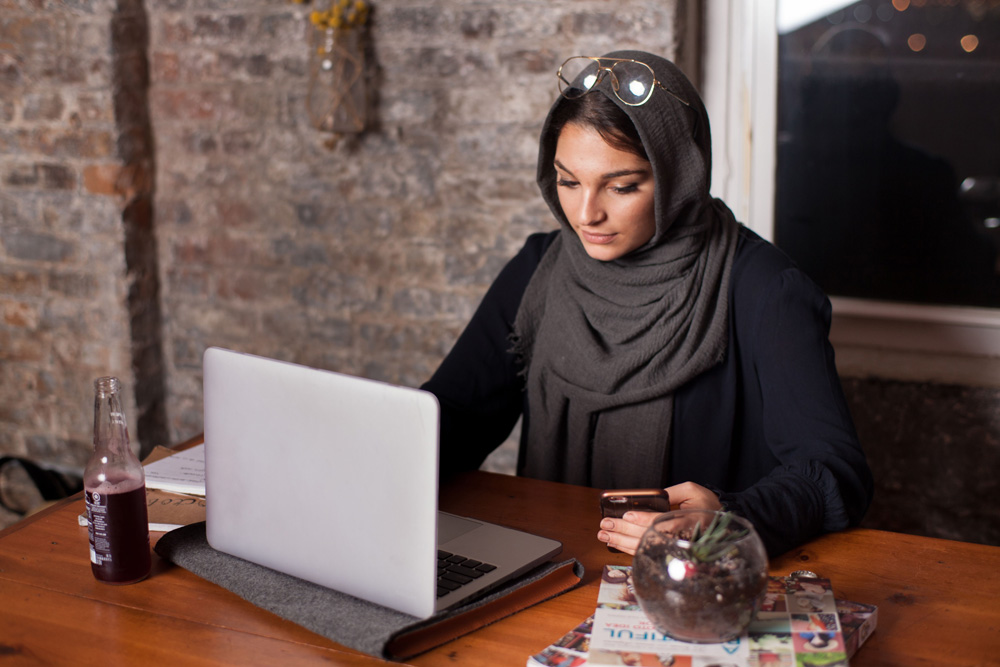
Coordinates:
(606, 193)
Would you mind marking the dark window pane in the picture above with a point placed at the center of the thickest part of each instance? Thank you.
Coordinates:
(888, 169)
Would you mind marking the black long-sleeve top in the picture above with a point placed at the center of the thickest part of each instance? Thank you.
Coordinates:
(768, 429)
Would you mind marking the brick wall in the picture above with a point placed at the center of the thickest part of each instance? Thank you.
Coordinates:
(162, 190)
(368, 257)
(71, 195)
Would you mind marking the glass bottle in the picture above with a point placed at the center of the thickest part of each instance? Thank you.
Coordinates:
(115, 493)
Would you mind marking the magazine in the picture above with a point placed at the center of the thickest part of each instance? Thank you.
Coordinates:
(800, 623)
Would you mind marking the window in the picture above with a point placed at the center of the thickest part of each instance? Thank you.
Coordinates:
(863, 138)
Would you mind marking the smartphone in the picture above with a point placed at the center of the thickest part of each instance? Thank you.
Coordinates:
(616, 503)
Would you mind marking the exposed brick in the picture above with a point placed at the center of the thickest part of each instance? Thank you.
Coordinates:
(165, 67)
(16, 347)
(68, 69)
(189, 250)
(186, 355)
(20, 282)
(45, 106)
(11, 71)
(281, 29)
(201, 141)
(23, 415)
(18, 314)
(8, 141)
(250, 285)
(21, 376)
(478, 24)
(168, 5)
(73, 284)
(236, 213)
(308, 214)
(259, 65)
(334, 290)
(542, 61)
(35, 246)
(31, 32)
(173, 211)
(94, 107)
(72, 144)
(411, 20)
(218, 28)
(22, 175)
(188, 105)
(298, 253)
(57, 177)
(101, 179)
(71, 453)
(188, 282)
(230, 250)
(241, 142)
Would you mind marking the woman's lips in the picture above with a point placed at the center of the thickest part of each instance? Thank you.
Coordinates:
(598, 239)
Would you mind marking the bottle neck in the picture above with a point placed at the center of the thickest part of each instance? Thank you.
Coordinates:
(110, 426)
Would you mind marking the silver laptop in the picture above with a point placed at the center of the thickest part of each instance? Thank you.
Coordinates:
(334, 479)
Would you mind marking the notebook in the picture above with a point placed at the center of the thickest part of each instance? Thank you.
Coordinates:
(334, 479)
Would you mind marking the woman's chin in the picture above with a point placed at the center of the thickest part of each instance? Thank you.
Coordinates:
(603, 253)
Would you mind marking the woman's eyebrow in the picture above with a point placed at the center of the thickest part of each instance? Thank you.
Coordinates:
(560, 165)
(609, 175)
(625, 172)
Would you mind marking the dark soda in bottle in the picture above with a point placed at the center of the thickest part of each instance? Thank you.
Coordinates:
(115, 494)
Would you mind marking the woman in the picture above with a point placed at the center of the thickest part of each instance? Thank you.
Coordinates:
(652, 341)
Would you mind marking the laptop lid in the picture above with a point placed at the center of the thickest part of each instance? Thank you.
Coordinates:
(334, 479)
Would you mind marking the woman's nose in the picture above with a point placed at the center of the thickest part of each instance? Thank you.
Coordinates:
(591, 211)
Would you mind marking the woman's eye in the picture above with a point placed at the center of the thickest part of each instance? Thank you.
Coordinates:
(564, 183)
(625, 189)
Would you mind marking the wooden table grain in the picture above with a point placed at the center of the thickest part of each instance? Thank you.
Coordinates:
(937, 599)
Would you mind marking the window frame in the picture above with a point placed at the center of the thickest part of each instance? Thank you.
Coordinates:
(910, 342)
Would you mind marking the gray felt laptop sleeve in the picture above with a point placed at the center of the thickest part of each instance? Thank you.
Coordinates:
(352, 622)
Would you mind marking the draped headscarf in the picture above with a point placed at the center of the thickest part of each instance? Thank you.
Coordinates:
(606, 344)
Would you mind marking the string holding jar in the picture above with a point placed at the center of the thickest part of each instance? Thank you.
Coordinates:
(338, 97)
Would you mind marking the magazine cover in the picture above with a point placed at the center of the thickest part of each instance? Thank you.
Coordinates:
(799, 624)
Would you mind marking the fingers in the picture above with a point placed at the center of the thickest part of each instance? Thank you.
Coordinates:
(624, 534)
(621, 541)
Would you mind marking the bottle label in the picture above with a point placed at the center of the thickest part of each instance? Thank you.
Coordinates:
(97, 520)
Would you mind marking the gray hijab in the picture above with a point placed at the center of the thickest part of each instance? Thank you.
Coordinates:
(606, 344)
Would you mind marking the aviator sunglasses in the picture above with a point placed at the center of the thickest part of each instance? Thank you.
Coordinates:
(631, 80)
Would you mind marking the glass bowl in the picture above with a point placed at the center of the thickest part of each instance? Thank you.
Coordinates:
(702, 591)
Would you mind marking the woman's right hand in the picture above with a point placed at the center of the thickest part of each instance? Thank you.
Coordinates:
(691, 496)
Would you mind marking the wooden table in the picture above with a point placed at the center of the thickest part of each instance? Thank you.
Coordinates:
(937, 599)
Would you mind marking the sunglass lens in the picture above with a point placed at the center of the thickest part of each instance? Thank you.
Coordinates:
(635, 82)
(577, 76)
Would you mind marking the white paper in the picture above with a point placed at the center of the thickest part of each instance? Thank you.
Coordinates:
(183, 472)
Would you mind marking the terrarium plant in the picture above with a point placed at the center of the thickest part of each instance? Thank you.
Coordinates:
(700, 575)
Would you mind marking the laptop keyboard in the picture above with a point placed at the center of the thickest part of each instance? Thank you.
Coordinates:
(455, 571)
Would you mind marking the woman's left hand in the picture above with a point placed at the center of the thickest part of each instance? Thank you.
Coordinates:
(624, 533)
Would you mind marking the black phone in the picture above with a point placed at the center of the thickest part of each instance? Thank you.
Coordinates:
(615, 503)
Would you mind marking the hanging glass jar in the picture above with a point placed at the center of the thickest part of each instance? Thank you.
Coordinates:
(338, 96)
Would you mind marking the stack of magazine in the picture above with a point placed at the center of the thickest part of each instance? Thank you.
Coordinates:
(800, 623)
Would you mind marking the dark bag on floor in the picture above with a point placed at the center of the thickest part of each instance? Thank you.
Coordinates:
(51, 484)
